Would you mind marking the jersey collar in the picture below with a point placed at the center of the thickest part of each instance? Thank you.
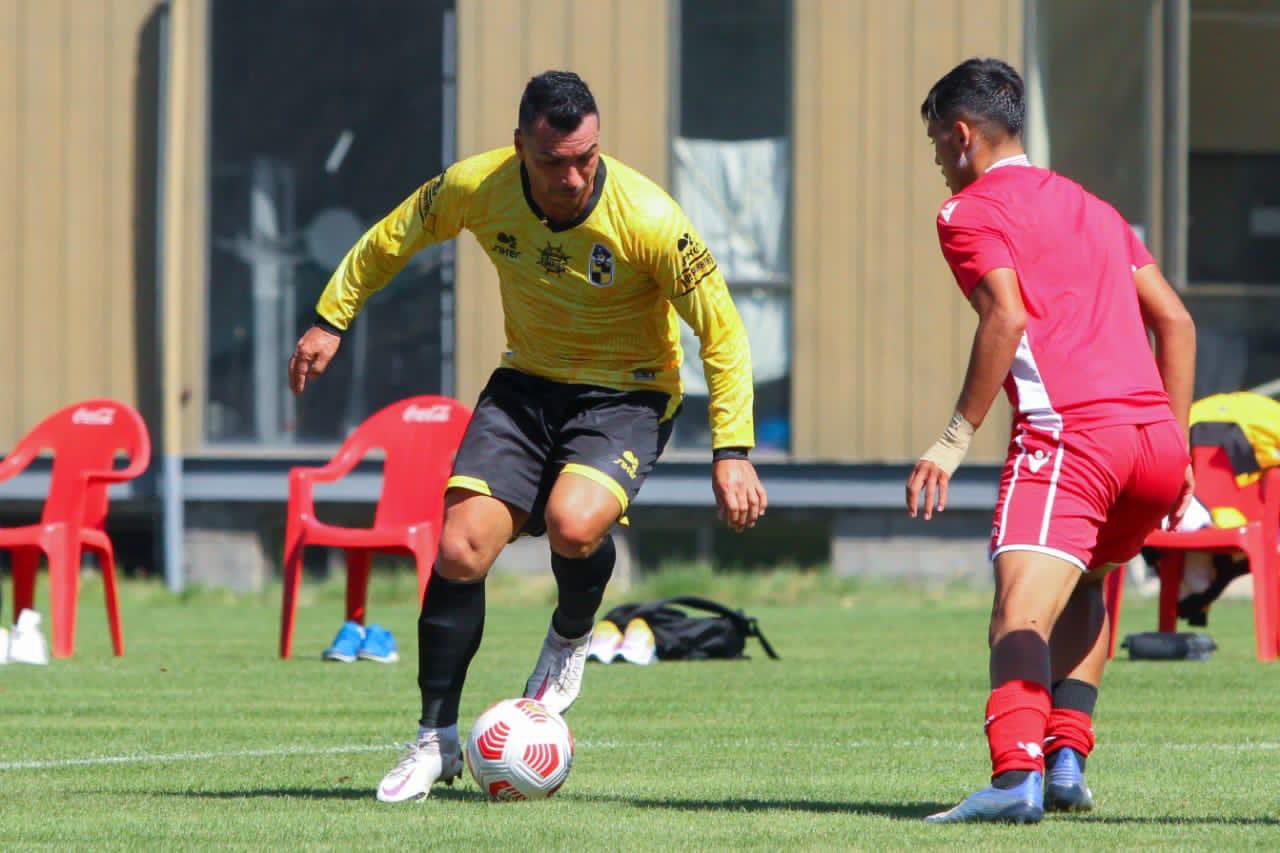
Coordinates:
(1015, 160)
(596, 191)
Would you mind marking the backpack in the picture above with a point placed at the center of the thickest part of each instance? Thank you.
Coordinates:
(1157, 645)
(679, 636)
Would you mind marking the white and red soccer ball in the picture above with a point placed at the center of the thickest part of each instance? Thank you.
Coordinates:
(520, 750)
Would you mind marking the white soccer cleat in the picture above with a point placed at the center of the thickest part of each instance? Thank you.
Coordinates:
(26, 643)
(557, 676)
(639, 645)
(4, 646)
(605, 640)
(428, 761)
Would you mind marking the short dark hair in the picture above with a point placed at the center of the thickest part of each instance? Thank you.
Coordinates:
(561, 97)
(986, 90)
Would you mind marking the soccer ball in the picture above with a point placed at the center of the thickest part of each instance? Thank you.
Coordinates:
(520, 750)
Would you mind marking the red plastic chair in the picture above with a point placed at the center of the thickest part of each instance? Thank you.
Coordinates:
(419, 437)
(1260, 504)
(84, 438)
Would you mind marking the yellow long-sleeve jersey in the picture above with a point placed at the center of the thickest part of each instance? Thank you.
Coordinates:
(594, 301)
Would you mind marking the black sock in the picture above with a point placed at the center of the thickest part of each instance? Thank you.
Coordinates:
(1010, 779)
(449, 632)
(581, 585)
(1072, 694)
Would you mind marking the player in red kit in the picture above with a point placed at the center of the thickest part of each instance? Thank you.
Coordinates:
(1065, 294)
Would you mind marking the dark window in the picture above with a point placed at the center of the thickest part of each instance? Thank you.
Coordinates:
(325, 115)
(731, 171)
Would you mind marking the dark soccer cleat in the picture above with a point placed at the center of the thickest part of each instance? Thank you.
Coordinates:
(1023, 804)
(1065, 790)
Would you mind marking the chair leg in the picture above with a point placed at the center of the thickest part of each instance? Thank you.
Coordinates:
(1265, 567)
(358, 562)
(26, 562)
(113, 604)
(1171, 566)
(1112, 596)
(64, 589)
(291, 575)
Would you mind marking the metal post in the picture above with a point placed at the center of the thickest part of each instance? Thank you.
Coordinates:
(1177, 144)
(174, 73)
(448, 120)
(1036, 132)
(170, 479)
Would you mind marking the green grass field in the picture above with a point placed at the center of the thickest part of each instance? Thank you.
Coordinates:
(201, 737)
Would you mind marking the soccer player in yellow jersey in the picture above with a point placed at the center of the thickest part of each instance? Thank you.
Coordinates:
(595, 262)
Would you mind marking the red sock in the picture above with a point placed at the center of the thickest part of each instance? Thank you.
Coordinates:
(1068, 727)
(1017, 713)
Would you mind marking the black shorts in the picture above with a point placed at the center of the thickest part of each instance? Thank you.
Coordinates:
(526, 430)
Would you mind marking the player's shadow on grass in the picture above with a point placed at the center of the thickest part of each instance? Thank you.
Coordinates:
(314, 794)
(896, 811)
(1171, 820)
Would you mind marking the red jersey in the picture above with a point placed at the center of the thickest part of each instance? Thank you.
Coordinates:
(1084, 360)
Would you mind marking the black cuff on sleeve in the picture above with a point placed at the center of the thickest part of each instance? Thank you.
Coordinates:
(326, 325)
(729, 453)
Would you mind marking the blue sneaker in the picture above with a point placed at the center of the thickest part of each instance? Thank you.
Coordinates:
(1065, 790)
(1023, 804)
(378, 646)
(346, 645)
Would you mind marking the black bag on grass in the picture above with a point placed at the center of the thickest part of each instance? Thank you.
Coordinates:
(679, 636)
(1157, 645)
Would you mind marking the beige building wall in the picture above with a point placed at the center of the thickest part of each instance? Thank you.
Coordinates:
(69, 206)
(882, 334)
(1235, 62)
(620, 47)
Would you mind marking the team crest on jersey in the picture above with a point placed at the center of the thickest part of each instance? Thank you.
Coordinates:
(600, 268)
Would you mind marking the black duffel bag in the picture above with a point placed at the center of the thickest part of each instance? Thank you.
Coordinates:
(679, 636)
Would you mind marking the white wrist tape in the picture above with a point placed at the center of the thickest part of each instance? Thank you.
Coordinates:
(948, 452)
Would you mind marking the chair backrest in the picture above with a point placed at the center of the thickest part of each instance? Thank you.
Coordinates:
(419, 437)
(1216, 483)
(85, 437)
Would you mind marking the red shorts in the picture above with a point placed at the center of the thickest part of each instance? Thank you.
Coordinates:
(1088, 497)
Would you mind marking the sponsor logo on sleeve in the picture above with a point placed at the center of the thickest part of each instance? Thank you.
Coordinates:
(948, 209)
(426, 199)
(600, 267)
(695, 263)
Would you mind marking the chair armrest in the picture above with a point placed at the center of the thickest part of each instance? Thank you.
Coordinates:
(332, 471)
(119, 475)
(17, 460)
(1270, 487)
(302, 479)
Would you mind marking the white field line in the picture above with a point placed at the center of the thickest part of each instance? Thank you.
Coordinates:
(171, 757)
